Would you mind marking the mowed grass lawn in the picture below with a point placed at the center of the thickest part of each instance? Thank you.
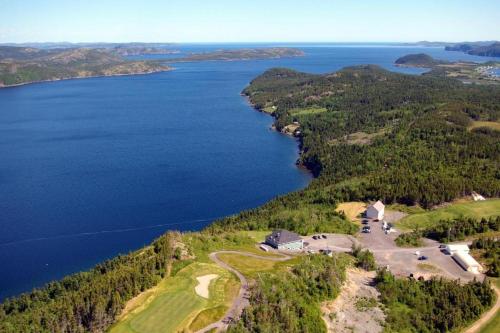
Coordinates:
(250, 267)
(174, 306)
(479, 209)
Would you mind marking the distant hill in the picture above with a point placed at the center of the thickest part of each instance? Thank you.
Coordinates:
(244, 54)
(418, 60)
(21, 65)
(491, 50)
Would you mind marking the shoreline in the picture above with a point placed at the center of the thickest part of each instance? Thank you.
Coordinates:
(82, 78)
(273, 128)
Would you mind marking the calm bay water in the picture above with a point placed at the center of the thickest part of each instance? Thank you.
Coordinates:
(96, 167)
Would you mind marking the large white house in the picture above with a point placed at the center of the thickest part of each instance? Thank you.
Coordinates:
(376, 211)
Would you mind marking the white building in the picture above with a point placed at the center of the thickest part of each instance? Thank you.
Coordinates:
(467, 262)
(454, 248)
(460, 253)
(376, 211)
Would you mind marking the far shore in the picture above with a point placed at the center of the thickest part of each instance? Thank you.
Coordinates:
(84, 77)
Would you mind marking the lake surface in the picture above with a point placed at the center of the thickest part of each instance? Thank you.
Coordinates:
(95, 167)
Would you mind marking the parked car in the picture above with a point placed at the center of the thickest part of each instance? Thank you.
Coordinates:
(423, 258)
(315, 237)
(323, 236)
(366, 230)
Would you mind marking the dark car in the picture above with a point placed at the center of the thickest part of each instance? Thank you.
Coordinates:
(366, 230)
(323, 236)
(423, 258)
(315, 237)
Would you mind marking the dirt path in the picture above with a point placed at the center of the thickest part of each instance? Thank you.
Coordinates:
(241, 301)
(475, 328)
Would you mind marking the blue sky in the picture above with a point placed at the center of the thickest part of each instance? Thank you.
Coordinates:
(248, 20)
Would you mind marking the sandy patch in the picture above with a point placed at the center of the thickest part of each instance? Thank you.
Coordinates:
(203, 283)
(356, 309)
(352, 209)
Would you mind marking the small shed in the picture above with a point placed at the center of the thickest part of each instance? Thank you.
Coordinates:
(285, 240)
(376, 211)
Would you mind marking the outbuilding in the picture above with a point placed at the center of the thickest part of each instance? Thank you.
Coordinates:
(376, 211)
(285, 240)
(467, 262)
(454, 248)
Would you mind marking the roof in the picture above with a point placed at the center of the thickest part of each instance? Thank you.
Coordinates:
(467, 259)
(378, 205)
(458, 247)
(283, 237)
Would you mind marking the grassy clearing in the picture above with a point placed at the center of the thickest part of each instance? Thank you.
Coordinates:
(490, 124)
(248, 266)
(251, 267)
(428, 219)
(428, 268)
(307, 111)
(173, 305)
(352, 209)
(202, 245)
(257, 236)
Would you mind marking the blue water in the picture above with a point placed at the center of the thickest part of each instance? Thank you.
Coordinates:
(96, 167)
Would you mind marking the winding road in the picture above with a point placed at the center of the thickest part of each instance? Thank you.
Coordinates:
(241, 301)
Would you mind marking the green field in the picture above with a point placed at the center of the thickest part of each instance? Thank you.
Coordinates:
(307, 111)
(250, 267)
(173, 305)
(427, 219)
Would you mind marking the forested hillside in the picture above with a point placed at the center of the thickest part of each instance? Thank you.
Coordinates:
(368, 133)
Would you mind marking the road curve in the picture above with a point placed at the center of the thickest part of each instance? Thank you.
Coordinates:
(241, 301)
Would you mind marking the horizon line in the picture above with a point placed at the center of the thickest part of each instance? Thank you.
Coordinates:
(246, 42)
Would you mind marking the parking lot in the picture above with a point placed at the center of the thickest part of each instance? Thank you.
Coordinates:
(401, 261)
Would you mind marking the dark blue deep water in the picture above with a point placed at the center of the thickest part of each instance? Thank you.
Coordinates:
(96, 167)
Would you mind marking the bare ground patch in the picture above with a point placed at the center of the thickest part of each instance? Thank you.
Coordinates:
(356, 309)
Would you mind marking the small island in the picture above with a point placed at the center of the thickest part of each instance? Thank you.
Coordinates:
(418, 60)
(243, 54)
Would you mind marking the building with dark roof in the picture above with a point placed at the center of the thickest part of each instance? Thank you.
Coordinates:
(285, 240)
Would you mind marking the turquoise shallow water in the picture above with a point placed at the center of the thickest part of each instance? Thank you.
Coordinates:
(96, 167)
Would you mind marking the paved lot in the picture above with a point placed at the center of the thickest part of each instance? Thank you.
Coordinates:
(401, 261)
